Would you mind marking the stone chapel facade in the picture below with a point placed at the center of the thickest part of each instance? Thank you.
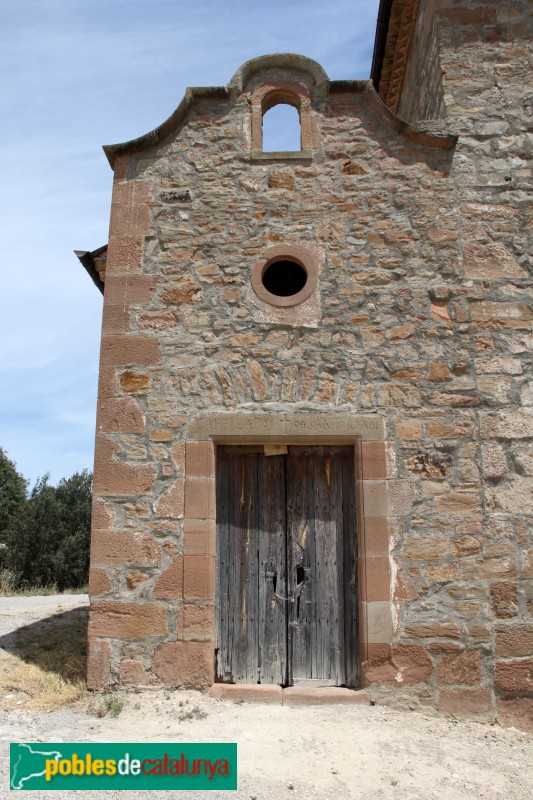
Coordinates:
(314, 436)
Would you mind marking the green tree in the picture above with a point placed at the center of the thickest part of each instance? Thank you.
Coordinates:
(13, 504)
(52, 544)
(74, 497)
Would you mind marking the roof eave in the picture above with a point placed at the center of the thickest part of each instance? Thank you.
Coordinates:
(380, 42)
(86, 258)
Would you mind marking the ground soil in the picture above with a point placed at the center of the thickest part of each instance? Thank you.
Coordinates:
(316, 752)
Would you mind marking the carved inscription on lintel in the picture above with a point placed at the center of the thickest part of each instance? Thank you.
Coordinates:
(294, 425)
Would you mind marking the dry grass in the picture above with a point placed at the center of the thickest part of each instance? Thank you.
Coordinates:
(43, 666)
(9, 587)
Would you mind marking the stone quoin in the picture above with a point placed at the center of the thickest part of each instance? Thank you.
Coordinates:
(314, 462)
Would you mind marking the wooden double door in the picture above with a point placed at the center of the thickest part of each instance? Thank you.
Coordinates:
(286, 565)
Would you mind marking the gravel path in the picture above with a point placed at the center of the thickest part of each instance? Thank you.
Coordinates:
(320, 752)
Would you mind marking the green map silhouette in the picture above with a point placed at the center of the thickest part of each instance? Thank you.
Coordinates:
(29, 762)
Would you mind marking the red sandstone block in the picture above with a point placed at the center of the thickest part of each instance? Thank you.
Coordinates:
(504, 595)
(515, 675)
(106, 382)
(157, 320)
(409, 431)
(197, 623)
(443, 430)
(527, 564)
(375, 498)
(412, 663)
(374, 460)
(326, 695)
(515, 712)
(187, 665)
(467, 704)
(124, 255)
(426, 548)
(199, 537)
(462, 669)
(121, 415)
(199, 577)
(405, 664)
(124, 547)
(429, 630)
(177, 296)
(134, 578)
(514, 640)
(442, 574)
(457, 503)
(116, 620)
(99, 582)
(128, 290)
(258, 379)
(378, 653)
(401, 495)
(134, 382)
(378, 673)
(129, 350)
(129, 221)
(132, 673)
(199, 498)
(115, 319)
(247, 693)
(118, 479)
(377, 583)
(376, 536)
(105, 449)
(169, 585)
(404, 588)
(131, 192)
(171, 504)
(98, 664)
(445, 647)
(178, 457)
(103, 515)
(200, 459)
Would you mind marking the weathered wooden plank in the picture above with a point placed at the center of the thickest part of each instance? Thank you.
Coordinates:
(237, 573)
(272, 589)
(335, 568)
(246, 532)
(225, 565)
(327, 514)
(301, 562)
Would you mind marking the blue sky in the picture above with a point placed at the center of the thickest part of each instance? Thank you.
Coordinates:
(76, 74)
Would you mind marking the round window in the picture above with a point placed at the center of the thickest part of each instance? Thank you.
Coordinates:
(285, 276)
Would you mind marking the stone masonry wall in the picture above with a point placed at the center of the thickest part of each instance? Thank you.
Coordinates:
(486, 56)
(485, 53)
(422, 96)
(423, 320)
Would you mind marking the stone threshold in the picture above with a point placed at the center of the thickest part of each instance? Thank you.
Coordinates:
(291, 696)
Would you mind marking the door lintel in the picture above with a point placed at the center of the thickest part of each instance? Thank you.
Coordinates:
(286, 427)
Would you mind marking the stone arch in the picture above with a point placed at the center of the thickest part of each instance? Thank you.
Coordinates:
(271, 94)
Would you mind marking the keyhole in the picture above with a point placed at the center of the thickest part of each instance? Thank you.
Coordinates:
(274, 581)
(300, 575)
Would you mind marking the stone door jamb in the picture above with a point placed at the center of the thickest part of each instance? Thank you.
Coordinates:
(366, 432)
